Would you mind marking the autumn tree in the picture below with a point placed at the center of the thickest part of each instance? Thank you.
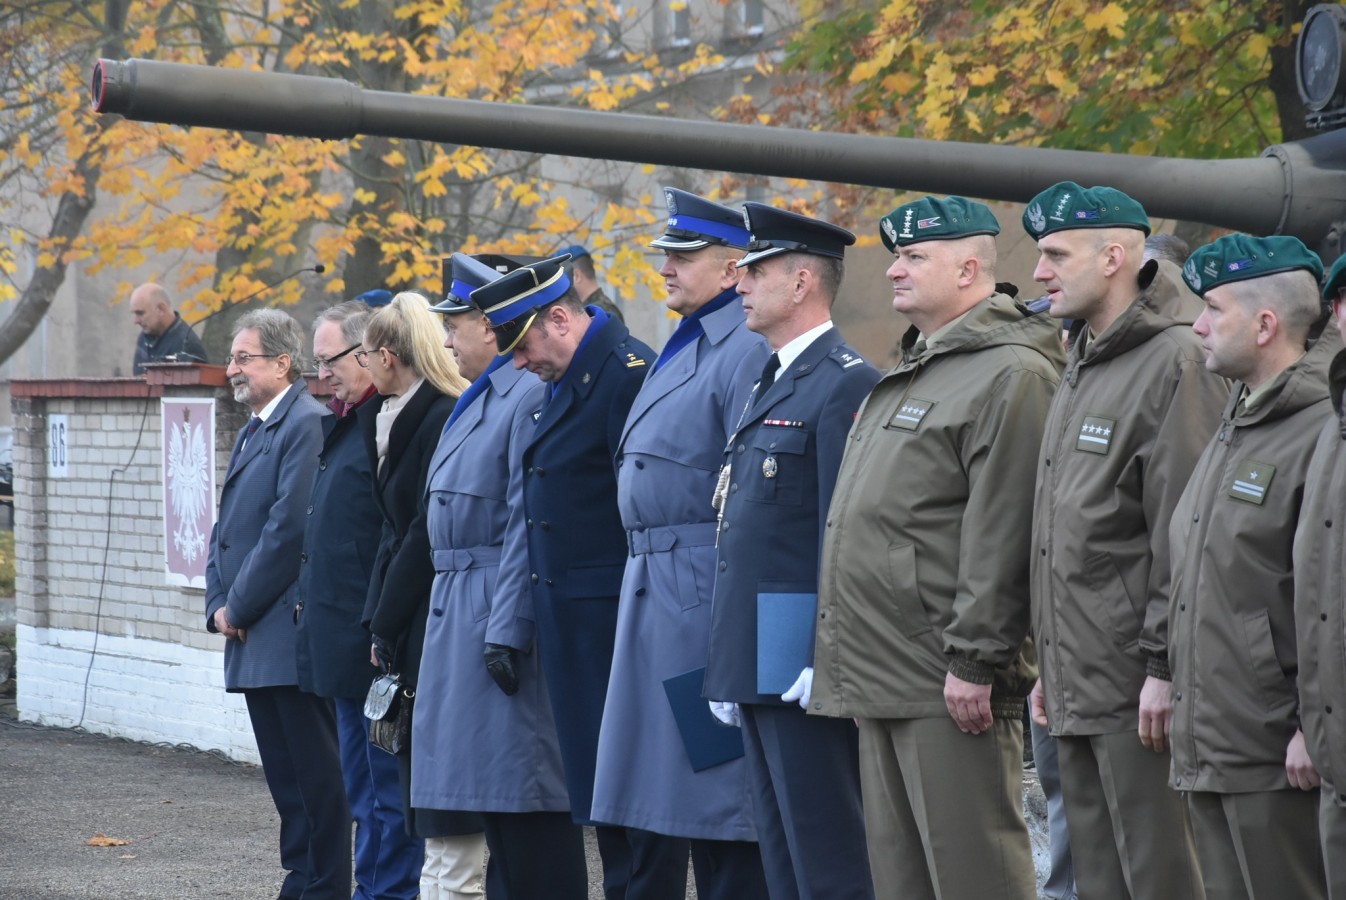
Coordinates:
(228, 213)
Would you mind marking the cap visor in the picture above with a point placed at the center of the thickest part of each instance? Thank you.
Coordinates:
(668, 242)
(451, 306)
(759, 255)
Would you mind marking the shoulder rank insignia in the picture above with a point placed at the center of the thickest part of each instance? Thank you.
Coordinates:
(848, 359)
(633, 361)
(1252, 480)
(911, 414)
(1096, 435)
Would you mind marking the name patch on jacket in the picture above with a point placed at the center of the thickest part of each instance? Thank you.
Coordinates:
(1096, 435)
(1252, 480)
(911, 414)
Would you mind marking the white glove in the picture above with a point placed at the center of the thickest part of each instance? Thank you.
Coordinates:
(802, 689)
(726, 712)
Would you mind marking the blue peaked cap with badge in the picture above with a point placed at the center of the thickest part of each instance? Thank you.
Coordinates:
(936, 219)
(1066, 206)
(695, 223)
(776, 231)
(511, 301)
(462, 275)
(1239, 257)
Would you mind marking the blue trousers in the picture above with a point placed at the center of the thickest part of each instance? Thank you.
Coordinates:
(387, 860)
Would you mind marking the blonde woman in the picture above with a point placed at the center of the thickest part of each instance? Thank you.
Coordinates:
(418, 383)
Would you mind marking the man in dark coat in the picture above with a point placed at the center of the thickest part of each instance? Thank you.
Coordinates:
(576, 543)
(164, 337)
(340, 542)
(251, 590)
(780, 468)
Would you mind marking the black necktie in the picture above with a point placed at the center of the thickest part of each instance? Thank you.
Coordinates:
(768, 377)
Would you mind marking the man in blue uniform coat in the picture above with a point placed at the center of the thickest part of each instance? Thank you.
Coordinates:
(252, 573)
(341, 539)
(484, 736)
(576, 543)
(667, 464)
(780, 468)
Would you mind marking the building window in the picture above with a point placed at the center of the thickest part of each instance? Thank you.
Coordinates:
(744, 19)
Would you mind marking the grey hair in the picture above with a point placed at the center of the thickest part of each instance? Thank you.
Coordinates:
(352, 316)
(278, 334)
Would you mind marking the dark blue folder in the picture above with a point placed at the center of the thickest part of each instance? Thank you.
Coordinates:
(784, 639)
(708, 742)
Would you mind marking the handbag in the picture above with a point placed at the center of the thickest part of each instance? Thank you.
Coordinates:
(393, 732)
(382, 697)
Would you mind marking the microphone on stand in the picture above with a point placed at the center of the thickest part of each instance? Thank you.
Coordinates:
(315, 269)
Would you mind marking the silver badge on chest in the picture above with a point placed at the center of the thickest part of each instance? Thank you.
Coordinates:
(769, 467)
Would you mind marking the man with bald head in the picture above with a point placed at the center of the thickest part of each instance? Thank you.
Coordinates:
(164, 337)
(1135, 408)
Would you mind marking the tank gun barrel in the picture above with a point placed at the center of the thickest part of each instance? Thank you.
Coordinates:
(1295, 188)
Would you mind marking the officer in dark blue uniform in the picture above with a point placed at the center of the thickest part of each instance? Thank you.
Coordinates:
(780, 468)
(576, 543)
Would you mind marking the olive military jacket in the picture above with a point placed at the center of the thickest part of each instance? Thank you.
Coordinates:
(1231, 617)
(1134, 411)
(1320, 584)
(925, 552)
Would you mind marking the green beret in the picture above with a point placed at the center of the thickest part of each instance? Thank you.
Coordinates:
(1336, 280)
(1238, 257)
(1067, 206)
(935, 219)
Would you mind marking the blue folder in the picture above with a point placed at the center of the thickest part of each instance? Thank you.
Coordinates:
(784, 639)
(708, 741)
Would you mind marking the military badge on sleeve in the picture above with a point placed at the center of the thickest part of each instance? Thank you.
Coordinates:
(911, 414)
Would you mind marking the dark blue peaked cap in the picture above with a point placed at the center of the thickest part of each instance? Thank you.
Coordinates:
(462, 275)
(781, 231)
(511, 301)
(695, 223)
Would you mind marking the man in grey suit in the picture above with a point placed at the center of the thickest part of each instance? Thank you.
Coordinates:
(251, 588)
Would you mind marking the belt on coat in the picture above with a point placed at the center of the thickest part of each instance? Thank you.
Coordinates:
(462, 560)
(666, 537)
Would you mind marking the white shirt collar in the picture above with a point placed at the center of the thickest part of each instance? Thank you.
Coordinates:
(275, 401)
(791, 351)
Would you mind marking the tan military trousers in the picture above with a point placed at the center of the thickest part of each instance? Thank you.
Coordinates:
(944, 810)
(1258, 846)
(1129, 834)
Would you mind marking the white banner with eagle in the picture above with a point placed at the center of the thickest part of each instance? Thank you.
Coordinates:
(189, 488)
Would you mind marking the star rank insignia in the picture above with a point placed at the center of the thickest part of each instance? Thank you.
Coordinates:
(1252, 480)
(633, 361)
(1096, 435)
(911, 414)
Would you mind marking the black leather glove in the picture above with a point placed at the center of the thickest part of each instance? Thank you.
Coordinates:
(500, 666)
(383, 651)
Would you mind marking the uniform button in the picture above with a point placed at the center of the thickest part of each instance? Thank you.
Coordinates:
(541, 471)
(1043, 551)
(1182, 606)
(544, 526)
(530, 528)
(442, 501)
(739, 448)
(535, 578)
(1327, 709)
(1323, 616)
(530, 471)
(773, 445)
(438, 612)
(724, 526)
(817, 706)
(733, 488)
(1328, 523)
(829, 523)
(322, 464)
(1046, 642)
(1196, 518)
(823, 614)
(1178, 695)
(549, 582)
(723, 565)
(1049, 462)
(303, 557)
(640, 464)
(640, 592)
(310, 509)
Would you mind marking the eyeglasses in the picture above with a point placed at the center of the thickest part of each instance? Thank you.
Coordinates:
(332, 361)
(244, 358)
(362, 356)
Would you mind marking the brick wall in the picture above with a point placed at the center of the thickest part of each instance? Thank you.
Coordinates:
(103, 640)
